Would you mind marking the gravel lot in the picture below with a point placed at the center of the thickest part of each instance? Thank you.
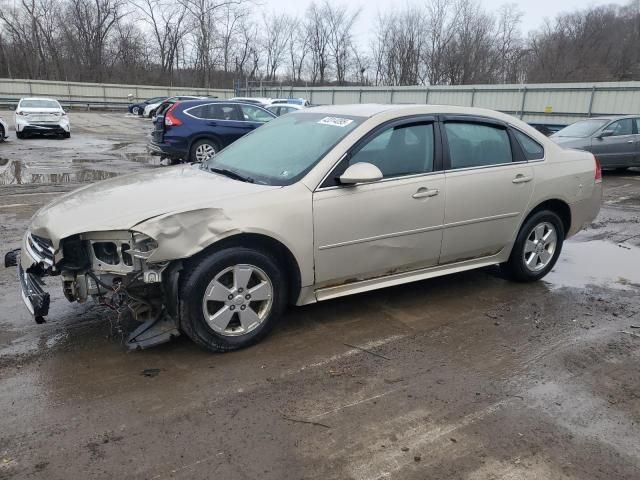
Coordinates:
(462, 377)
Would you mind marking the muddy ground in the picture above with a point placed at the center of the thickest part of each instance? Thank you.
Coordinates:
(464, 377)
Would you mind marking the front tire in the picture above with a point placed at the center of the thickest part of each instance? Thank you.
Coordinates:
(135, 111)
(232, 298)
(537, 247)
(20, 135)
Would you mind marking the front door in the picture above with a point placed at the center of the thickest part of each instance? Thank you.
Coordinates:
(383, 227)
(618, 149)
(487, 191)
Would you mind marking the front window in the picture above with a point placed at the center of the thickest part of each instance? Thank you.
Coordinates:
(581, 129)
(406, 149)
(285, 149)
(621, 127)
(39, 104)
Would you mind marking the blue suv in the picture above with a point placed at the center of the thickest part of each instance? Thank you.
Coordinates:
(196, 130)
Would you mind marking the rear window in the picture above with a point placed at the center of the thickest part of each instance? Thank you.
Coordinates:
(477, 145)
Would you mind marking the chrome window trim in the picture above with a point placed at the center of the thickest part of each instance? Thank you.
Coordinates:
(383, 180)
(186, 112)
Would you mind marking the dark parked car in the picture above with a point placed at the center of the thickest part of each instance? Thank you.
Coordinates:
(138, 108)
(196, 130)
(614, 140)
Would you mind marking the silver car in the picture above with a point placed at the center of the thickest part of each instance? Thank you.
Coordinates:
(615, 141)
(317, 204)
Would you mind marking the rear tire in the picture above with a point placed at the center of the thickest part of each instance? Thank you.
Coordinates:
(203, 150)
(231, 298)
(66, 135)
(2, 134)
(537, 247)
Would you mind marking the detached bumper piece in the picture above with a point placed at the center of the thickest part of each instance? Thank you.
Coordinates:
(12, 258)
(33, 294)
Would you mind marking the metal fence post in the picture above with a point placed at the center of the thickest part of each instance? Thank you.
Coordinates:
(473, 96)
(333, 96)
(524, 96)
(360, 96)
(391, 95)
(426, 96)
(593, 94)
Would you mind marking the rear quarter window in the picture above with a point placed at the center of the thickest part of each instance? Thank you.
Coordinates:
(531, 149)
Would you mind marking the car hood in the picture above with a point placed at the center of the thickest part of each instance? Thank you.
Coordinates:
(572, 142)
(122, 202)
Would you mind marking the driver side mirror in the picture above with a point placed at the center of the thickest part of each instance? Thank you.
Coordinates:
(605, 133)
(360, 172)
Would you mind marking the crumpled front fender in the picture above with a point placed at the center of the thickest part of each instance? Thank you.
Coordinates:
(183, 234)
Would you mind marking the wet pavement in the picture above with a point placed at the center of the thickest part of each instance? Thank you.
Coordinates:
(463, 377)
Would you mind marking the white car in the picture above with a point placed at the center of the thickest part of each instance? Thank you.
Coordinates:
(314, 205)
(4, 128)
(150, 109)
(260, 101)
(283, 108)
(41, 116)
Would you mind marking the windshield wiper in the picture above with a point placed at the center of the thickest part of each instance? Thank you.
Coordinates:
(231, 174)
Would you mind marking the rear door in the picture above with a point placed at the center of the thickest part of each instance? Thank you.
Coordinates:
(489, 186)
(619, 148)
(157, 134)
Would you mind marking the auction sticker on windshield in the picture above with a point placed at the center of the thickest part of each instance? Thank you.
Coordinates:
(335, 121)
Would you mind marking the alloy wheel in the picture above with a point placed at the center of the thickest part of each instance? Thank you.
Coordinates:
(238, 300)
(540, 246)
(204, 152)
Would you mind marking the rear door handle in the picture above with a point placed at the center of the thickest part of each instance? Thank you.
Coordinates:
(212, 124)
(425, 193)
(521, 179)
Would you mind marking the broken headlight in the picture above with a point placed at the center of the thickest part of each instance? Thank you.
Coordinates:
(142, 245)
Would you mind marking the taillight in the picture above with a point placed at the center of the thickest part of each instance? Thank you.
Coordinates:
(598, 175)
(170, 120)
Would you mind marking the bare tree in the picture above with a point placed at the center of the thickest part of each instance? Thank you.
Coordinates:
(167, 21)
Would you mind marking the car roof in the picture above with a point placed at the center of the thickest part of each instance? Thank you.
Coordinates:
(610, 117)
(370, 110)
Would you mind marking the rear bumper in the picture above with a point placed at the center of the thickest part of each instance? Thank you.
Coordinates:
(585, 211)
(165, 150)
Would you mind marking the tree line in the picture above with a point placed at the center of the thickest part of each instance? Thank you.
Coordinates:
(211, 43)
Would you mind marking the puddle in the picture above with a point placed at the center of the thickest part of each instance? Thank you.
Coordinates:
(596, 262)
(14, 172)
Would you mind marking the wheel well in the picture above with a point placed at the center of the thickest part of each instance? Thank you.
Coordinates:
(205, 137)
(560, 208)
(268, 245)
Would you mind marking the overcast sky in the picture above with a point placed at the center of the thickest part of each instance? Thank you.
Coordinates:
(535, 11)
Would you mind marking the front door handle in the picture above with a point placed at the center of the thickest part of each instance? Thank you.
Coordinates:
(521, 179)
(426, 192)
(212, 124)
(631, 141)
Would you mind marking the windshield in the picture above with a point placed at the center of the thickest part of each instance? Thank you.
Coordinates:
(285, 149)
(582, 129)
(39, 104)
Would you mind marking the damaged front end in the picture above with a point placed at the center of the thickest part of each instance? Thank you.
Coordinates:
(110, 267)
